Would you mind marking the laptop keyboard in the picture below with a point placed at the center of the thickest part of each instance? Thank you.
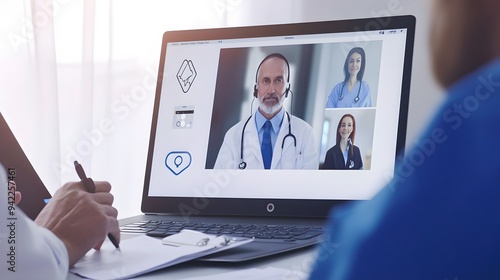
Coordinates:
(166, 228)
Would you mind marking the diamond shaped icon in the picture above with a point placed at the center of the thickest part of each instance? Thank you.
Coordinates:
(186, 75)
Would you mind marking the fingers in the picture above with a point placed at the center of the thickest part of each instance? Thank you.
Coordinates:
(100, 186)
(109, 211)
(103, 198)
(75, 192)
(82, 220)
(17, 197)
(17, 194)
(112, 225)
(98, 245)
(112, 228)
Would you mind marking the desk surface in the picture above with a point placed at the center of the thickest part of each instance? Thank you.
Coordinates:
(296, 264)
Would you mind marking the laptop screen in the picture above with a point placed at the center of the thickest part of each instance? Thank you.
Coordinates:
(336, 94)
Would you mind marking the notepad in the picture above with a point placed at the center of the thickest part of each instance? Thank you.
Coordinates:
(143, 254)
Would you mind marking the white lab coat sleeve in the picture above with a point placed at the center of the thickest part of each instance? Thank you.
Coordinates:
(309, 148)
(225, 157)
(229, 152)
(27, 251)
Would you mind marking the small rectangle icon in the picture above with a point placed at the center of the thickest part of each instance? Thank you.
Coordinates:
(183, 117)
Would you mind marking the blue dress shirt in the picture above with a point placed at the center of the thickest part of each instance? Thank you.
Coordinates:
(276, 121)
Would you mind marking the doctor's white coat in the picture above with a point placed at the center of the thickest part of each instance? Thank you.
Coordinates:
(27, 250)
(302, 156)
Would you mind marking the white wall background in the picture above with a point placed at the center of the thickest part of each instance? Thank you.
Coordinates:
(89, 56)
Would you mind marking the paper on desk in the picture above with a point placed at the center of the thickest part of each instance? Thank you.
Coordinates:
(137, 256)
(268, 273)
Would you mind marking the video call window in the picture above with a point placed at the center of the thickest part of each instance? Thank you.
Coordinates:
(326, 82)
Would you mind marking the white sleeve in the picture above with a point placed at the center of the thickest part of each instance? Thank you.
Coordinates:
(27, 251)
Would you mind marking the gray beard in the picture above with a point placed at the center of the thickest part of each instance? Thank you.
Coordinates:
(273, 109)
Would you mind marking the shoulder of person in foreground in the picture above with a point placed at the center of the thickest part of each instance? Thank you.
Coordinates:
(436, 215)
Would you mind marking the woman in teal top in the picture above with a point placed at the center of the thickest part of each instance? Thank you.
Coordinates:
(353, 91)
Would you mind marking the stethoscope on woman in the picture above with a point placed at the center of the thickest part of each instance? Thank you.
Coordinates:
(356, 99)
(243, 164)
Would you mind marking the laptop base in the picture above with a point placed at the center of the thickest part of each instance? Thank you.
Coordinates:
(259, 248)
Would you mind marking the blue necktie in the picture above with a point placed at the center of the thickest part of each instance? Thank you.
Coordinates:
(266, 147)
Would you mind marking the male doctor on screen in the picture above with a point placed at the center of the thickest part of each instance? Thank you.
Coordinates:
(271, 138)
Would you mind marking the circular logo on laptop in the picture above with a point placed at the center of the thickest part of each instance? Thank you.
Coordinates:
(270, 207)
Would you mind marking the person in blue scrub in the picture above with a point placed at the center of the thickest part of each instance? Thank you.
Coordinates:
(438, 217)
(344, 155)
(353, 91)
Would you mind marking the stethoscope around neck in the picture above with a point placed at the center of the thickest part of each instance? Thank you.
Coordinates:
(243, 164)
(356, 99)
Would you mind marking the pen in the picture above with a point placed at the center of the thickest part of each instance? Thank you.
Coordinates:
(89, 185)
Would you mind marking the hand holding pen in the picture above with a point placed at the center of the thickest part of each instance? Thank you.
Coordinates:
(89, 185)
(81, 220)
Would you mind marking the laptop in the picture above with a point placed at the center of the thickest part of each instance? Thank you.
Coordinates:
(206, 85)
(18, 167)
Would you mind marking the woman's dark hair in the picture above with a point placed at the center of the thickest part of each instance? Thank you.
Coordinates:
(361, 72)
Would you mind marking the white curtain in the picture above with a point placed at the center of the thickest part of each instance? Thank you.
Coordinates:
(78, 79)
